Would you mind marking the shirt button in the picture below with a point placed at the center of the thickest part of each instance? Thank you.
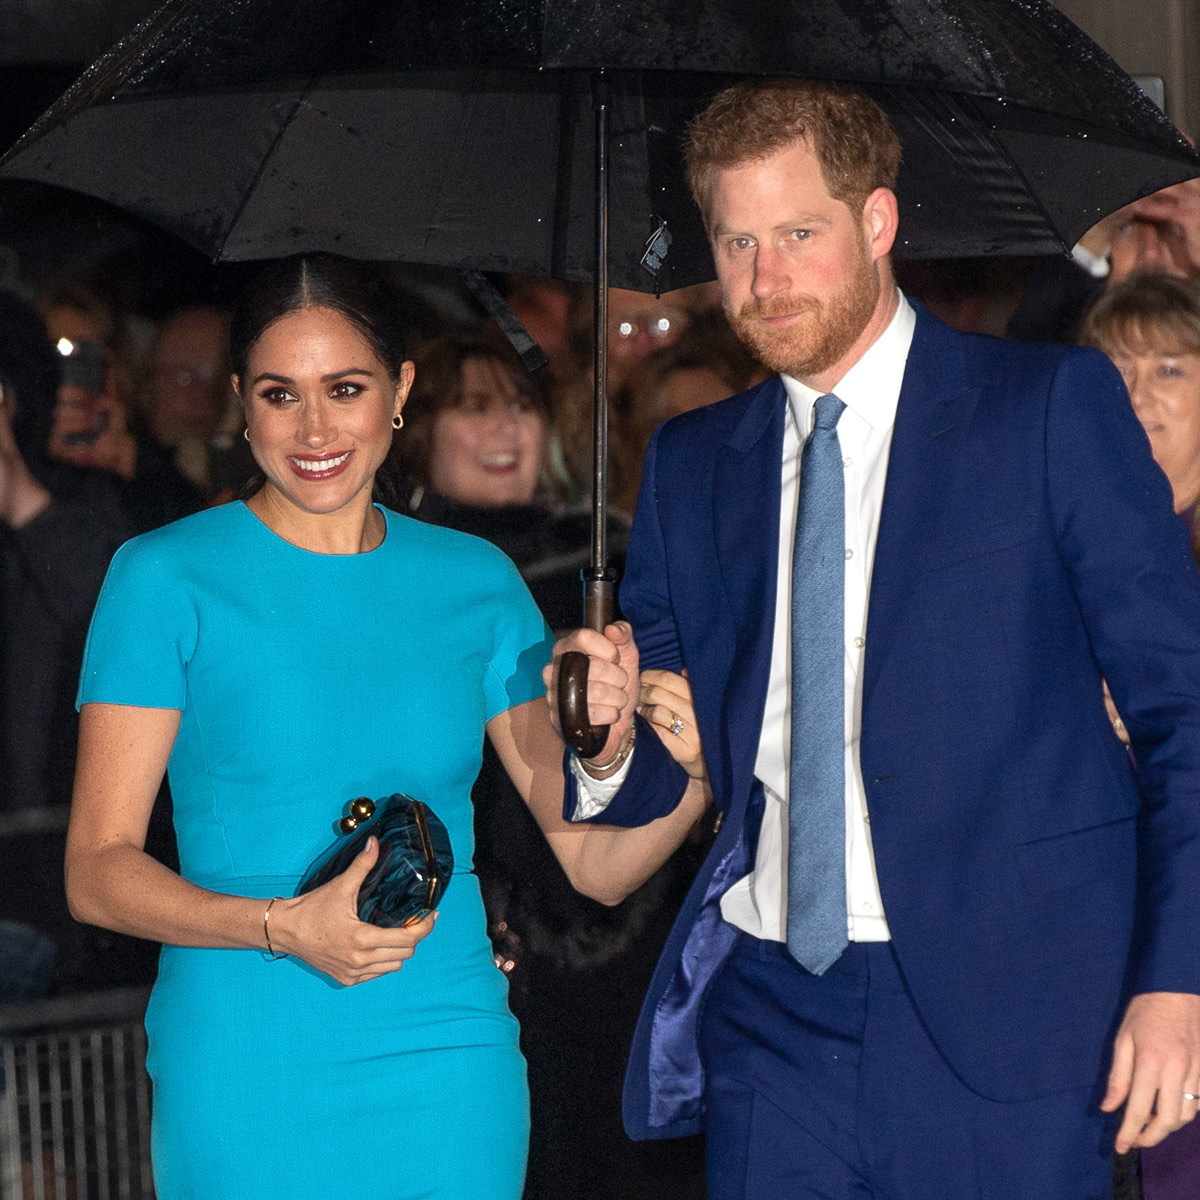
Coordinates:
(849, 554)
(860, 642)
(847, 462)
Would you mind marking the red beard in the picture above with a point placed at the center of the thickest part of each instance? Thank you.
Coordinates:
(826, 331)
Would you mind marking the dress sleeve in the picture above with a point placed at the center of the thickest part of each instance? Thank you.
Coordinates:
(142, 633)
(523, 645)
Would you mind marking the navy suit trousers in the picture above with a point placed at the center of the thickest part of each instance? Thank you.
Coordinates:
(830, 1087)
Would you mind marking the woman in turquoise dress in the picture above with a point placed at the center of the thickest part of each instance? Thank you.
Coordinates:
(279, 658)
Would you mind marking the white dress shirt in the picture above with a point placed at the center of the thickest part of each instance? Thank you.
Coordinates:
(870, 390)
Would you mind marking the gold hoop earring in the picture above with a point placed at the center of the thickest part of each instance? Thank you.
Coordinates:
(397, 422)
(246, 434)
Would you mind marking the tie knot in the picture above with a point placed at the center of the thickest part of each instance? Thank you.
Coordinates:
(829, 409)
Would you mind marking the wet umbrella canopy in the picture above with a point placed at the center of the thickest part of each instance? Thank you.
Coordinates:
(461, 133)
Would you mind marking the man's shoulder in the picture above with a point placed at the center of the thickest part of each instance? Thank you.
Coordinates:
(938, 348)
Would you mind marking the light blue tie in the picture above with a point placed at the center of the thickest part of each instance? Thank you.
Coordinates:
(816, 925)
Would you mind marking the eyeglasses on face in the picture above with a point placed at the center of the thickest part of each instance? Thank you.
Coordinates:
(656, 325)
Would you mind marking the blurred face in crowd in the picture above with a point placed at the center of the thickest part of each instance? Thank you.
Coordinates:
(319, 406)
(486, 450)
(1164, 385)
(65, 321)
(800, 272)
(186, 393)
(544, 308)
(639, 324)
(1147, 247)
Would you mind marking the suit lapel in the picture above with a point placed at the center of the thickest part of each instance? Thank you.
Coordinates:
(932, 417)
(746, 502)
(746, 487)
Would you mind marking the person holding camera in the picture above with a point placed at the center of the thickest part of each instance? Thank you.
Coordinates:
(54, 549)
(98, 438)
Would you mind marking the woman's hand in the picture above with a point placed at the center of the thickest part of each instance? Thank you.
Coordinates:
(665, 700)
(322, 928)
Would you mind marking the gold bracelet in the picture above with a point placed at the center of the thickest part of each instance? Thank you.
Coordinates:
(267, 931)
(617, 759)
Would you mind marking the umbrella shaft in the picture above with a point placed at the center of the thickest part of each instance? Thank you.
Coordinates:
(599, 560)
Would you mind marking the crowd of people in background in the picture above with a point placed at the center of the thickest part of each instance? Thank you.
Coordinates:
(111, 425)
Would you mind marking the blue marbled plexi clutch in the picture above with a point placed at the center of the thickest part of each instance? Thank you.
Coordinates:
(414, 866)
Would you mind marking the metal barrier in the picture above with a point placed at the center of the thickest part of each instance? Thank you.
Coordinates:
(75, 1099)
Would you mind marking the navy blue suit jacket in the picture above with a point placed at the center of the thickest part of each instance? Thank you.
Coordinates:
(1031, 879)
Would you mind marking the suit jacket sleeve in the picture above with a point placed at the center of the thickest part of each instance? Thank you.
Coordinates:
(1138, 591)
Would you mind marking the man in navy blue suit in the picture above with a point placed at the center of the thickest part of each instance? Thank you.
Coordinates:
(1010, 976)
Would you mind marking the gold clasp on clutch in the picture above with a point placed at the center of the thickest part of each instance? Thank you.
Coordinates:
(361, 809)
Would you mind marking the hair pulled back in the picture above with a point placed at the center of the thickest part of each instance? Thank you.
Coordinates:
(320, 280)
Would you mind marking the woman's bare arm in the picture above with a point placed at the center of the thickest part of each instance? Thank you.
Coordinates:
(114, 883)
(605, 862)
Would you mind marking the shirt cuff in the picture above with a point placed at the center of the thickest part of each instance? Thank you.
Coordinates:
(592, 796)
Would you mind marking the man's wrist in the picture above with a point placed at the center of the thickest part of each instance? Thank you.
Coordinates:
(604, 770)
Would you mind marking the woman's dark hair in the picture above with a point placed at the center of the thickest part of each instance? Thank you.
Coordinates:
(438, 385)
(29, 367)
(302, 281)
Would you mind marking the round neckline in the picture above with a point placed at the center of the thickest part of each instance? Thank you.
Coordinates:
(322, 554)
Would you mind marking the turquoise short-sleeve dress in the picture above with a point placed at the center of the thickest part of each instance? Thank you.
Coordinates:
(305, 680)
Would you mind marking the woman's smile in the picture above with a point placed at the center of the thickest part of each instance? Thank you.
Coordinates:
(319, 467)
(501, 461)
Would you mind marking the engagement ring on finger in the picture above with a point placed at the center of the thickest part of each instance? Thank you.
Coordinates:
(1190, 1096)
(677, 725)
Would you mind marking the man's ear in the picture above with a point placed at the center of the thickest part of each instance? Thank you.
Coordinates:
(881, 219)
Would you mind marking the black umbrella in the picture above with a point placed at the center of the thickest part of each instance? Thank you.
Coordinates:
(490, 133)
(462, 131)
